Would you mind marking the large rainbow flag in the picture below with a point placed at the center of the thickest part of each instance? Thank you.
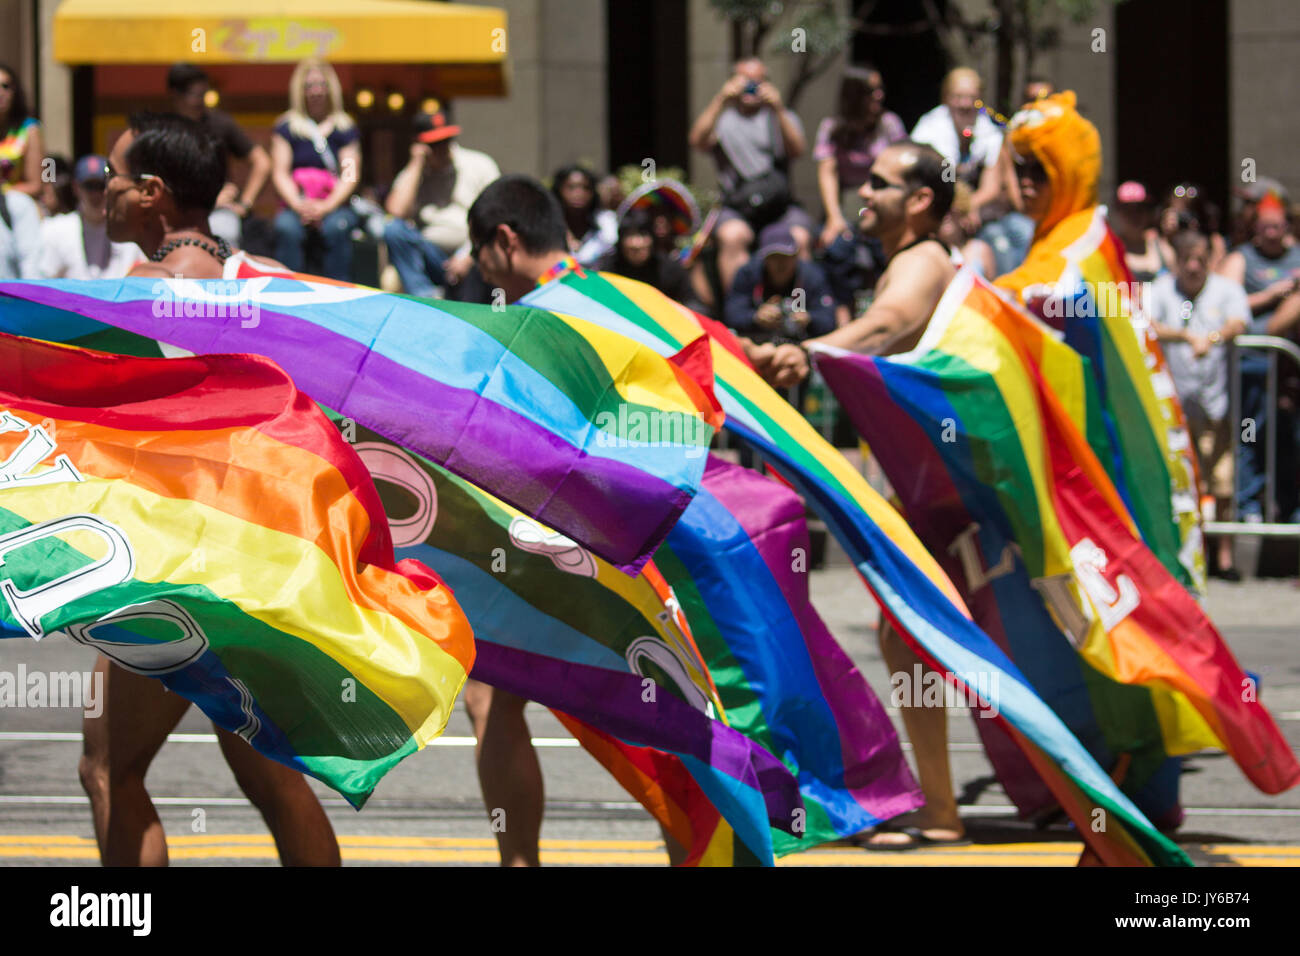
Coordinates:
(556, 624)
(913, 592)
(556, 416)
(991, 461)
(1095, 301)
(198, 520)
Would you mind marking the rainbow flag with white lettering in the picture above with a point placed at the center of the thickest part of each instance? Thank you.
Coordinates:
(199, 520)
(1096, 303)
(977, 444)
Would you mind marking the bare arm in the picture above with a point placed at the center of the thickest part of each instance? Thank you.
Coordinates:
(259, 171)
(701, 136)
(32, 157)
(903, 304)
(401, 198)
(1286, 316)
(350, 167)
(828, 184)
(990, 187)
(282, 172)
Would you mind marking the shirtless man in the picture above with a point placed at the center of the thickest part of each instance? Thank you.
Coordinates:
(904, 202)
(164, 177)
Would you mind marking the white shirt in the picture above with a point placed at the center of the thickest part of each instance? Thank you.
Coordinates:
(64, 240)
(20, 246)
(935, 129)
(444, 196)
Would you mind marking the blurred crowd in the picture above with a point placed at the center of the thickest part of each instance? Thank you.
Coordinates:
(773, 266)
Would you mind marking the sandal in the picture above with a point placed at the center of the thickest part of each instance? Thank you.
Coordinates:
(917, 840)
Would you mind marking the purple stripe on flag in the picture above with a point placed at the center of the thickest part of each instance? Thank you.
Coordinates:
(615, 703)
(609, 506)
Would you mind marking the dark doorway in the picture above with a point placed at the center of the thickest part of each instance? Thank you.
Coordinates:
(1171, 96)
(900, 42)
(647, 49)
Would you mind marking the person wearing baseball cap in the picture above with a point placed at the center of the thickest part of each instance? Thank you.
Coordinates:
(778, 297)
(75, 245)
(428, 236)
(1133, 219)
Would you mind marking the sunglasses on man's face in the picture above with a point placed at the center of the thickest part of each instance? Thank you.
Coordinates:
(880, 184)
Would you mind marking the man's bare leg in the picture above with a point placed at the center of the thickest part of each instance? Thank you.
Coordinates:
(118, 746)
(302, 831)
(508, 772)
(927, 729)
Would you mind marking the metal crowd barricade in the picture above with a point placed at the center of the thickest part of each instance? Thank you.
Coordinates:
(1270, 527)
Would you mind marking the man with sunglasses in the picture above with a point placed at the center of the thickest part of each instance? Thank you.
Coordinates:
(75, 245)
(904, 201)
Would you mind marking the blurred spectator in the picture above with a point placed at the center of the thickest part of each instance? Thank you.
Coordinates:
(610, 191)
(21, 149)
(75, 245)
(753, 138)
(57, 195)
(593, 231)
(965, 136)
(435, 189)
(1269, 270)
(1196, 314)
(1132, 219)
(973, 251)
(316, 165)
(189, 86)
(778, 297)
(673, 212)
(852, 264)
(848, 143)
(1007, 230)
(1250, 194)
(1185, 208)
(20, 230)
(636, 257)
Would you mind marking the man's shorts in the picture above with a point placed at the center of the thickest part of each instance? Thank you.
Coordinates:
(794, 216)
(1214, 455)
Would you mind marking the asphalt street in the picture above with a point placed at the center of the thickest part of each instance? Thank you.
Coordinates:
(427, 811)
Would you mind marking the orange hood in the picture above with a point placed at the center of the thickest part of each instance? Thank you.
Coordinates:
(1069, 148)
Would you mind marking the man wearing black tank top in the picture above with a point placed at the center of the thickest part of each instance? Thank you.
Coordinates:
(903, 203)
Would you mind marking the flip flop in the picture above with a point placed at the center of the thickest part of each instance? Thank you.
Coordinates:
(917, 841)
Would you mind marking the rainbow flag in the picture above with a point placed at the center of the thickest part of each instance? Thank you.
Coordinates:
(1097, 304)
(557, 625)
(554, 415)
(973, 437)
(738, 563)
(198, 520)
(913, 591)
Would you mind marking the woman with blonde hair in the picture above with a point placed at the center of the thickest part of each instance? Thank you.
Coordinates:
(316, 166)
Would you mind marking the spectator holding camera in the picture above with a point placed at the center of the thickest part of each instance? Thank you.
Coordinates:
(776, 296)
(752, 138)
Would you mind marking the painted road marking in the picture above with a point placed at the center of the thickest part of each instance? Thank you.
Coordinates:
(411, 849)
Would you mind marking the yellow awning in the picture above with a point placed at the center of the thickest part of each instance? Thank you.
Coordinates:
(278, 31)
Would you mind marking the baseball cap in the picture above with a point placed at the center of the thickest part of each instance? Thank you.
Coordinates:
(1131, 192)
(776, 239)
(89, 168)
(433, 127)
(1261, 187)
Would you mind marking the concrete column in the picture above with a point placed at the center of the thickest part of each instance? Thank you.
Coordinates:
(56, 87)
(1264, 74)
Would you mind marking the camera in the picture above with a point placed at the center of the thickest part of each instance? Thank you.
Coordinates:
(751, 88)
